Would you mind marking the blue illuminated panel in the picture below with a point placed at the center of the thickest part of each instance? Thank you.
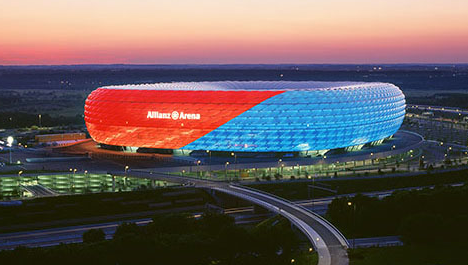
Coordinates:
(311, 119)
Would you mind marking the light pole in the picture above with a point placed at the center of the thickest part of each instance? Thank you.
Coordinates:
(225, 170)
(40, 120)
(70, 179)
(19, 181)
(73, 180)
(235, 161)
(126, 169)
(235, 157)
(10, 141)
(278, 167)
(354, 222)
(86, 179)
(321, 166)
(209, 153)
(198, 168)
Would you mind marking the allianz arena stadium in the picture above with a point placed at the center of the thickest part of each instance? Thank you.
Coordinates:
(245, 116)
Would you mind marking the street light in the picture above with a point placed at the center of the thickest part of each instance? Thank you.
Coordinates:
(19, 176)
(19, 181)
(354, 222)
(235, 159)
(225, 169)
(126, 169)
(278, 167)
(198, 168)
(40, 119)
(209, 152)
(10, 141)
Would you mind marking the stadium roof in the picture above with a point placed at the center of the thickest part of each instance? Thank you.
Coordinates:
(249, 85)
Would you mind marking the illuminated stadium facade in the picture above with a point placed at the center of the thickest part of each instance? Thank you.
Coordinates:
(257, 116)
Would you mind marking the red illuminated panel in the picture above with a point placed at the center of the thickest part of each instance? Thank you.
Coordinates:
(120, 116)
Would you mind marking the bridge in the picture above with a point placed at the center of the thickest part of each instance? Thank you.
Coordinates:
(330, 244)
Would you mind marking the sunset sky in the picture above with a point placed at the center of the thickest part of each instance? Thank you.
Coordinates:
(233, 31)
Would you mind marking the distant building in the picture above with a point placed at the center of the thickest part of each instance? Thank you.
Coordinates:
(252, 116)
(428, 114)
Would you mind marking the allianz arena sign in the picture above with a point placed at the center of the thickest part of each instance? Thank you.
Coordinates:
(175, 115)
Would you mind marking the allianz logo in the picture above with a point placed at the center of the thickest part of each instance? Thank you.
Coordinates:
(175, 115)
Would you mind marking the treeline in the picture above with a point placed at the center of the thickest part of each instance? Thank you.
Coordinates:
(300, 190)
(173, 239)
(458, 100)
(419, 216)
(74, 209)
(10, 120)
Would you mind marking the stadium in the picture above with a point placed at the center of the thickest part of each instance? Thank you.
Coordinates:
(245, 116)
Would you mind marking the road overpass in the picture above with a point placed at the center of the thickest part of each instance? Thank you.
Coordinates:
(329, 243)
(327, 240)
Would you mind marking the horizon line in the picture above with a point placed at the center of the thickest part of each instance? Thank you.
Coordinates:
(232, 64)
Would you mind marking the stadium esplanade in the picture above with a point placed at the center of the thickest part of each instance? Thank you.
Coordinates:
(245, 116)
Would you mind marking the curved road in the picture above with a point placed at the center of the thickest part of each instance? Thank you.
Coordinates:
(329, 243)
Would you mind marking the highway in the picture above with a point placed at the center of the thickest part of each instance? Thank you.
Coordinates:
(74, 234)
(55, 236)
(331, 245)
(384, 241)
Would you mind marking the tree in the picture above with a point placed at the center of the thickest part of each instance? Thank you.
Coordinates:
(93, 236)
(126, 229)
(421, 228)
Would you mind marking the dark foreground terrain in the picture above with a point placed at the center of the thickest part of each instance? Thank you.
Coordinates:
(177, 239)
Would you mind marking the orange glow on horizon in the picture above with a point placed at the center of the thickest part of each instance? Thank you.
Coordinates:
(243, 31)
